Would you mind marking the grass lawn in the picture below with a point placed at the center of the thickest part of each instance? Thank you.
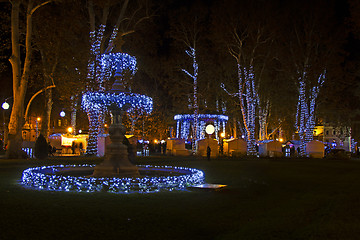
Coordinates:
(265, 199)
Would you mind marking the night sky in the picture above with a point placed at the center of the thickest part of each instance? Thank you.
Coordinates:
(161, 55)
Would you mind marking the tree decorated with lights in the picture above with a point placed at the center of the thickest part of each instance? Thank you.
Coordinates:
(107, 60)
(192, 54)
(247, 39)
(313, 50)
(248, 99)
(187, 32)
(305, 112)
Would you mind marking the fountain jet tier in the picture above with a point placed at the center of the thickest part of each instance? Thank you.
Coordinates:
(116, 162)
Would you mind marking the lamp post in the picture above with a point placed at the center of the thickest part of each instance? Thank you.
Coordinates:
(38, 119)
(5, 106)
(210, 129)
(222, 136)
(70, 130)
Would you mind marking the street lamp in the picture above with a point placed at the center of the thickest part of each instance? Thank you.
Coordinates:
(210, 129)
(38, 119)
(70, 130)
(5, 106)
(222, 136)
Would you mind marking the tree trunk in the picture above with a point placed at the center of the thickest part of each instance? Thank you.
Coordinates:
(45, 123)
(20, 80)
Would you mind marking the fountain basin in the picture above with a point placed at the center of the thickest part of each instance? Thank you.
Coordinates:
(77, 178)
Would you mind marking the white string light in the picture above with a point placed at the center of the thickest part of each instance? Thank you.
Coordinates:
(50, 178)
(185, 121)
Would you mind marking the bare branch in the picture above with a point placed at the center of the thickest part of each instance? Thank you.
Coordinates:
(38, 6)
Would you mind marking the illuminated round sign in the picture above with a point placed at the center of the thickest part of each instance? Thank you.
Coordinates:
(210, 129)
(62, 114)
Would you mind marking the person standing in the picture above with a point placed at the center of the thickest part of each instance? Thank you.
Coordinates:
(208, 153)
(73, 147)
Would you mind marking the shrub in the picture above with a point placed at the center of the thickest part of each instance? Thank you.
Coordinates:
(41, 147)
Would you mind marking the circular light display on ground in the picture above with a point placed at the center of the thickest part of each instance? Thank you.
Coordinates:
(73, 178)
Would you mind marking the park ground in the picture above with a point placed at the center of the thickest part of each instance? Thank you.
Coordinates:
(264, 199)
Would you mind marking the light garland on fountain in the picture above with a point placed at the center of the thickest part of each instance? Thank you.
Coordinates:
(50, 178)
(95, 101)
(115, 64)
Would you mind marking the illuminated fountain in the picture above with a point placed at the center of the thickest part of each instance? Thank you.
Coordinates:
(116, 173)
(116, 162)
(96, 102)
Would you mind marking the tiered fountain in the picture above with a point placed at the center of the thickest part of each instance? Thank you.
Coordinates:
(116, 173)
(116, 162)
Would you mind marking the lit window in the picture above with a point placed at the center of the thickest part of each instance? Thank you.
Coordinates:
(59, 122)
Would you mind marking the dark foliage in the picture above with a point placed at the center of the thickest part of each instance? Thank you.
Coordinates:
(41, 147)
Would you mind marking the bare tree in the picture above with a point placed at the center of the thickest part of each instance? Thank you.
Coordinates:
(20, 73)
(246, 37)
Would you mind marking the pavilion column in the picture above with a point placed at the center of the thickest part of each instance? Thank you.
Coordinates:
(177, 129)
(202, 129)
(186, 126)
(216, 130)
(223, 126)
(181, 129)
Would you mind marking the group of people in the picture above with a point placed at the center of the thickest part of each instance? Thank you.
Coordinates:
(74, 146)
(51, 149)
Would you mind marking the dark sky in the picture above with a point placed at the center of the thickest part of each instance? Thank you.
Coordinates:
(341, 10)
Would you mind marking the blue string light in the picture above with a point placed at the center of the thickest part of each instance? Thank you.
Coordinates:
(50, 178)
(184, 122)
(201, 116)
(96, 100)
(305, 114)
(96, 103)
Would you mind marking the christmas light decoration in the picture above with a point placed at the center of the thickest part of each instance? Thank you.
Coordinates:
(188, 117)
(96, 103)
(186, 121)
(248, 99)
(194, 76)
(305, 115)
(96, 100)
(58, 178)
